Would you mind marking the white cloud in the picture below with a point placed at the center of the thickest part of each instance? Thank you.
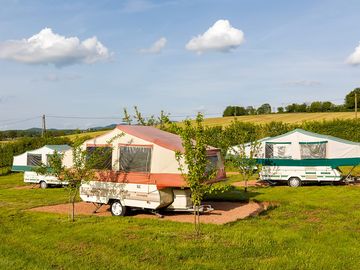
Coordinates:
(219, 37)
(156, 47)
(47, 47)
(354, 58)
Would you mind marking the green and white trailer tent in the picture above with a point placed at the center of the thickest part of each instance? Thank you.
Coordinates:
(301, 156)
(29, 160)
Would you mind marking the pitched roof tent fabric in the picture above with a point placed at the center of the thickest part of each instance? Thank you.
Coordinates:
(313, 134)
(20, 162)
(304, 148)
(162, 138)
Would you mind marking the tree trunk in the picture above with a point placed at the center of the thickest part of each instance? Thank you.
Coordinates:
(246, 182)
(197, 219)
(73, 199)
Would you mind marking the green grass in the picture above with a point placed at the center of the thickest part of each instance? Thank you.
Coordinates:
(314, 227)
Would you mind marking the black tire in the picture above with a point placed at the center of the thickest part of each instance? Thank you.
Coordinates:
(117, 209)
(43, 185)
(294, 182)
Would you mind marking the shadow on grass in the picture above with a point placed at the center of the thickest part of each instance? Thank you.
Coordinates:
(232, 195)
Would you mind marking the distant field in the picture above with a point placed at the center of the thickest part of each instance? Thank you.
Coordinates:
(283, 117)
(258, 119)
(94, 134)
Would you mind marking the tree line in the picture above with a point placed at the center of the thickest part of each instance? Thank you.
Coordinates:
(316, 106)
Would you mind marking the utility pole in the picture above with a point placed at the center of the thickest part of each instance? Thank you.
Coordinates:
(356, 105)
(43, 126)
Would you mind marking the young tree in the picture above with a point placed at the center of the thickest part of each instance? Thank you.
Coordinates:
(85, 165)
(127, 118)
(244, 158)
(195, 165)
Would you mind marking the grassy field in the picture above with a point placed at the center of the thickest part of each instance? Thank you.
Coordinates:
(85, 135)
(257, 119)
(314, 227)
(283, 117)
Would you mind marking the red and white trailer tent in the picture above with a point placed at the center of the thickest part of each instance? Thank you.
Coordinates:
(140, 170)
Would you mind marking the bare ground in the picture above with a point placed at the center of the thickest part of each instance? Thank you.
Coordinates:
(27, 187)
(224, 212)
(251, 183)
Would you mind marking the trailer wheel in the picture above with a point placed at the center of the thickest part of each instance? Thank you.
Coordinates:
(117, 209)
(294, 182)
(43, 184)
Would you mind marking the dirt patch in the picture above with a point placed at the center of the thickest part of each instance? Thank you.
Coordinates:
(27, 187)
(232, 173)
(251, 183)
(224, 212)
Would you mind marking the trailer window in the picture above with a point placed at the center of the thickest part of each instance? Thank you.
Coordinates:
(135, 158)
(99, 158)
(269, 150)
(212, 164)
(277, 150)
(313, 150)
(34, 159)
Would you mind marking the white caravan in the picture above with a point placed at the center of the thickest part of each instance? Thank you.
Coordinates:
(29, 160)
(140, 170)
(300, 156)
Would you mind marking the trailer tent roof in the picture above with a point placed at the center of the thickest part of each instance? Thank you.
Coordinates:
(21, 163)
(162, 138)
(154, 135)
(304, 148)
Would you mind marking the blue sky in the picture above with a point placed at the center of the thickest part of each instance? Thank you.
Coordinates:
(291, 51)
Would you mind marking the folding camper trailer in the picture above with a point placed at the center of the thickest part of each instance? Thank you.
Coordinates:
(141, 170)
(29, 160)
(300, 156)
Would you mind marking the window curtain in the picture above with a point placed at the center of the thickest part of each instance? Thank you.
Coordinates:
(313, 150)
(135, 158)
(34, 159)
(99, 158)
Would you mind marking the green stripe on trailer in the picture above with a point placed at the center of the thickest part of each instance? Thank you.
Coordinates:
(278, 142)
(313, 142)
(334, 162)
(17, 168)
(310, 172)
(22, 168)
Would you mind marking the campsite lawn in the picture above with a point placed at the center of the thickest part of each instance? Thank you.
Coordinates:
(314, 227)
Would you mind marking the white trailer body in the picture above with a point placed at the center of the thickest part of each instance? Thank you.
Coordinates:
(142, 196)
(304, 173)
(43, 180)
(301, 156)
